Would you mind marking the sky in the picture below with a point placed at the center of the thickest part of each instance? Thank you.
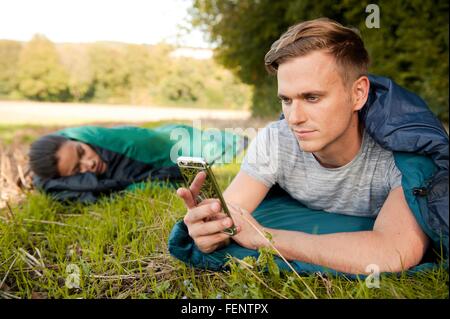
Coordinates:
(131, 21)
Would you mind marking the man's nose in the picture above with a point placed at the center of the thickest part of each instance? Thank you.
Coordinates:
(297, 113)
(87, 165)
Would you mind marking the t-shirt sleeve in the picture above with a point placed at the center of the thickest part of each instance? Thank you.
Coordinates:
(261, 160)
(393, 175)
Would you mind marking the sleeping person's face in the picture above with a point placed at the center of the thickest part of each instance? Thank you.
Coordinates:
(76, 157)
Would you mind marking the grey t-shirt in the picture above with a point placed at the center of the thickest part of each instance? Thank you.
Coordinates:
(358, 188)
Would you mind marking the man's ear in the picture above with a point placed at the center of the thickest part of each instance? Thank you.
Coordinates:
(360, 92)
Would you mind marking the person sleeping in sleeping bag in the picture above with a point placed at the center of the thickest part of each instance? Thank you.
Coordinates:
(326, 153)
(83, 163)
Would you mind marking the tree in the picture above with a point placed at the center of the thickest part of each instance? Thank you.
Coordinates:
(76, 62)
(110, 74)
(201, 83)
(9, 58)
(411, 46)
(41, 75)
(145, 66)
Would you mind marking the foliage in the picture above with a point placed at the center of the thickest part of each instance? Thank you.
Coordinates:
(108, 72)
(9, 58)
(40, 75)
(411, 45)
(75, 59)
(201, 83)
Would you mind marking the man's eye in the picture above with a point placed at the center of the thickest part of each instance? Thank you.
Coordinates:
(312, 98)
(285, 100)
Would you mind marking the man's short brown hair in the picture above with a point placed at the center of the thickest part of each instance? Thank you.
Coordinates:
(343, 43)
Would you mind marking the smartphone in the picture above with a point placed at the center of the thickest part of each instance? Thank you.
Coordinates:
(189, 168)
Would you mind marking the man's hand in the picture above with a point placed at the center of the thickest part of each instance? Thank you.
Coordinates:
(205, 221)
(250, 234)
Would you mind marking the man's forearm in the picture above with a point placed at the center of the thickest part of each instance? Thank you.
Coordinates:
(346, 252)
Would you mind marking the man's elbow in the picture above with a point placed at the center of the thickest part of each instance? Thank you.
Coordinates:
(406, 257)
(399, 264)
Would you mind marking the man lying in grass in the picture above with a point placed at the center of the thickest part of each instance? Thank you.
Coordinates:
(83, 163)
(321, 154)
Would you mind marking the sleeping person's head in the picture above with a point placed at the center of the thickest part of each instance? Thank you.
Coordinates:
(53, 156)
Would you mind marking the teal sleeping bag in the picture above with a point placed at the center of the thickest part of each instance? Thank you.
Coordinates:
(157, 145)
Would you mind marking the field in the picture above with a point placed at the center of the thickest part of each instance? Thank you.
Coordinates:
(117, 248)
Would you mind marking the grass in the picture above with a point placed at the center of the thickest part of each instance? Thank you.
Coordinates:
(23, 134)
(118, 247)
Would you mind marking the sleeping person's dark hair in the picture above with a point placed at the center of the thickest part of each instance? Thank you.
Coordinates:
(43, 160)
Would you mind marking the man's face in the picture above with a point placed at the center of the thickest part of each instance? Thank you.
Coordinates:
(76, 157)
(316, 104)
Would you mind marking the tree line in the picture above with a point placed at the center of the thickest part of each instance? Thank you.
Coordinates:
(106, 72)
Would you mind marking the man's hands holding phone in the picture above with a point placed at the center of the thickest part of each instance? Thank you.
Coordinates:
(205, 220)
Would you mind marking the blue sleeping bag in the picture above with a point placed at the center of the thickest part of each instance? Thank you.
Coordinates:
(399, 121)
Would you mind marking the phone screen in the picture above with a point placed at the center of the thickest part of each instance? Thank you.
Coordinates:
(189, 168)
